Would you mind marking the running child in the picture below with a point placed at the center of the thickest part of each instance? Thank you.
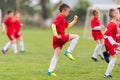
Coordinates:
(97, 35)
(8, 25)
(110, 40)
(60, 37)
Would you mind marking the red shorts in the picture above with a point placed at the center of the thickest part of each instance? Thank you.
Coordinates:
(97, 35)
(11, 35)
(60, 42)
(110, 48)
(18, 34)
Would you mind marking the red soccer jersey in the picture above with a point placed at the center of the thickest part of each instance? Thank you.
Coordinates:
(95, 22)
(17, 24)
(112, 30)
(9, 22)
(61, 24)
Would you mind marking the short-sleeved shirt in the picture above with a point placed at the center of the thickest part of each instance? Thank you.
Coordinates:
(9, 22)
(61, 24)
(95, 22)
(17, 24)
(111, 30)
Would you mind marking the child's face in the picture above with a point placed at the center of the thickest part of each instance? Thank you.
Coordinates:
(11, 14)
(117, 14)
(97, 14)
(17, 15)
(66, 12)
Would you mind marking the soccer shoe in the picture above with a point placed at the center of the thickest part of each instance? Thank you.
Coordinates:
(51, 74)
(106, 56)
(4, 51)
(22, 51)
(69, 55)
(94, 59)
(107, 76)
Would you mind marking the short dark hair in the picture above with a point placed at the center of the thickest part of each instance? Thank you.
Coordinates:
(10, 11)
(111, 12)
(63, 6)
(94, 12)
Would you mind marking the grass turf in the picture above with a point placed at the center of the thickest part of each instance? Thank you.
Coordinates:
(33, 64)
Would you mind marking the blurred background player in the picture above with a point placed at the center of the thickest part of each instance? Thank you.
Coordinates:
(110, 40)
(97, 35)
(17, 33)
(60, 37)
(8, 25)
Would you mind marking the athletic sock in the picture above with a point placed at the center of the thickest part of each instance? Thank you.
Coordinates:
(96, 50)
(73, 44)
(7, 46)
(53, 63)
(21, 46)
(14, 46)
(110, 66)
(101, 49)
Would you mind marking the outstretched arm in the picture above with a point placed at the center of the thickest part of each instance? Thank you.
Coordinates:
(3, 28)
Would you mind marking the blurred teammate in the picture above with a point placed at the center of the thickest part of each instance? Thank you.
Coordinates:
(97, 35)
(60, 37)
(8, 25)
(110, 40)
(17, 34)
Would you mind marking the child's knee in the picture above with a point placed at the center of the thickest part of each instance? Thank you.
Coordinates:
(77, 37)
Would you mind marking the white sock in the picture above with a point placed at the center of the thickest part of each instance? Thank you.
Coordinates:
(14, 46)
(110, 66)
(53, 63)
(21, 46)
(7, 46)
(96, 50)
(73, 44)
(101, 49)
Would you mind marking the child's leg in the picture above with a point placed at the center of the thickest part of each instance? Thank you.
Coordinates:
(54, 61)
(101, 49)
(73, 43)
(111, 65)
(21, 42)
(14, 46)
(7, 46)
(96, 50)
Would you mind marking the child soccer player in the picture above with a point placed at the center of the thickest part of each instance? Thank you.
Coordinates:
(110, 40)
(97, 35)
(9, 25)
(60, 37)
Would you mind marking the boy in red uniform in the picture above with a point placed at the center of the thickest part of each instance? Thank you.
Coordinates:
(60, 37)
(97, 35)
(110, 40)
(9, 25)
(17, 33)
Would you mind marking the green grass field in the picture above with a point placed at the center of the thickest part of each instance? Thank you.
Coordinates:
(33, 64)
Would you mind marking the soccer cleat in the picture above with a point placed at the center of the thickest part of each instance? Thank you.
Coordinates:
(106, 56)
(94, 59)
(107, 76)
(51, 74)
(22, 51)
(101, 57)
(4, 51)
(69, 55)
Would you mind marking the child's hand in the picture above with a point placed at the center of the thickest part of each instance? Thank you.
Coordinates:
(75, 17)
(3, 31)
(58, 36)
(118, 44)
(102, 26)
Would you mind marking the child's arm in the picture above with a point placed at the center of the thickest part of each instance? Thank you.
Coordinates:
(54, 31)
(3, 28)
(73, 22)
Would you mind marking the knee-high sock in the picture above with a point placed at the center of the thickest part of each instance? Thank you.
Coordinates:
(8, 44)
(96, 50)
(110, 66)
(53, 63)
(21, 46)
(73, 44)
(101, 49)
(14, 46)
